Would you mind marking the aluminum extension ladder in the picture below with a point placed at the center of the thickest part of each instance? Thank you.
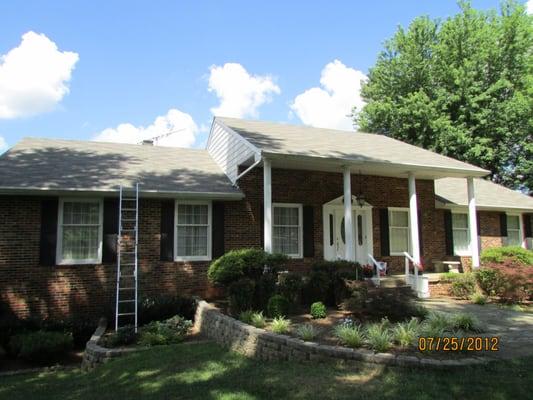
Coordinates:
(127, 263)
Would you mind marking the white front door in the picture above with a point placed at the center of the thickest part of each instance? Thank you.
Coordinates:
(334, 233)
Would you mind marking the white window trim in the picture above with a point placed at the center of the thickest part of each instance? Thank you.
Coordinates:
(59, 247)
(300, 226)
(209, 231)
(468, 252)
(406, 209)
(520, 229)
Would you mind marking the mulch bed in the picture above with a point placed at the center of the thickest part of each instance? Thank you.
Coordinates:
(72, 358)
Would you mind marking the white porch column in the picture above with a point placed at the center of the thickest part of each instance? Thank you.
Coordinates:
(267, 200)
(348, 223)
(472, 222)
(413, 219)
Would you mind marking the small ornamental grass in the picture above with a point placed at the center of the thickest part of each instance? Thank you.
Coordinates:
(478, 298)
(258, 320)
(406, 333)
(466, 322)
(306, 332)
(280, 325)
(350, 335)
(378, 337)
(246, 316)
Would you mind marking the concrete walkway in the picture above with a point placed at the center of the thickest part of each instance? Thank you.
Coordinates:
(514, 328)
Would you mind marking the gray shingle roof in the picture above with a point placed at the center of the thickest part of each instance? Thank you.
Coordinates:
(452, 191)
(56, 165)
(302, 140)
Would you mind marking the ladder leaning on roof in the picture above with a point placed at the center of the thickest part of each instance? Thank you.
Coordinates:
(127, 267)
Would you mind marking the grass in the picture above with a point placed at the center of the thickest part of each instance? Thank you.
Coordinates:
(206, 371)
(306, 332)
(258, 320)
(280, 325)
(351, 336)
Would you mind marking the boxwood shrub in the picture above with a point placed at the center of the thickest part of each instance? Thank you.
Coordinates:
(41, 345)
(278, 306)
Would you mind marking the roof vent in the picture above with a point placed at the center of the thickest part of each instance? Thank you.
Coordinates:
(147, 142)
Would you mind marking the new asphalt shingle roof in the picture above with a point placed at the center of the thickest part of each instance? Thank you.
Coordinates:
(275, 138)
(452, 191)
(44, 164)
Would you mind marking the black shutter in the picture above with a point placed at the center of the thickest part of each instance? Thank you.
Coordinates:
(384, 231)
(420, 237)
(448, 232)
(217, 230)
(308, 234)
(48, 242)
(110, 231)
(503, 225)
(167, 230)
(527, 225)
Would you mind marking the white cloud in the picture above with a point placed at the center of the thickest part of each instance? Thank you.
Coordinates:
(240, 94)
(529, 7)
(3, 144)
(329, 106)
(34, 76)
(182, 124)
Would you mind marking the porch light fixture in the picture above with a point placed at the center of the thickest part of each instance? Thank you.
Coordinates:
(360, 196)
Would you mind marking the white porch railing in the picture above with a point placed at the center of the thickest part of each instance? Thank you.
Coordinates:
(377, 269)
(418, 283)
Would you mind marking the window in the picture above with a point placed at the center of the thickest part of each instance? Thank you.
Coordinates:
(193, 231)
(398, 231)
(514, 233)
(461, 236)
(79, 231)
(287, 229)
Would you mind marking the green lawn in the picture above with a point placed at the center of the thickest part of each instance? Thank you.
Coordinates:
(206, 371)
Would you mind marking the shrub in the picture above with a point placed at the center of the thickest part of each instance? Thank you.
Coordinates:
(405, 333)
(278, 306)
(349, 335)
(258, 320)
(516, 282)
(448, 277)
(241, 295)
(158, 308)
(466, 322)
(378, 337)
(280, 325)
(464, 285)
(124, 336)
(41, 345)
(290, 285)
(478, 298)
(490, 280)
(172, 330)
(396, 305)
(265, 287)
(316, 287)
(249, 263)
(439, 322)
(318, 310)
(306, 332)
(246, 316)
(337, 272)
(515, 254)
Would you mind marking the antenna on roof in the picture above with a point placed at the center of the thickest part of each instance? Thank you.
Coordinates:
(153, 140)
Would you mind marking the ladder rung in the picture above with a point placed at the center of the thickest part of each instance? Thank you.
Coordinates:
(127, 276)
(129, 209)
(126, 301)
(126, 264)
(129, 199)
(126, 313)
(128, 219)
(129, 229)
(126, 288)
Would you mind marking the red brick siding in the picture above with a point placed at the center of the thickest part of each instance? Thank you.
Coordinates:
(489, 229)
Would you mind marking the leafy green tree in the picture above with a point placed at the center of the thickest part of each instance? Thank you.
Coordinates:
(462, 87)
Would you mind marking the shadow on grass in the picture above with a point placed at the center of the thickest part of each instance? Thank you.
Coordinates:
(206, 371)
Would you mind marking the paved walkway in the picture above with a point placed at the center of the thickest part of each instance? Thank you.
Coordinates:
(514, 328)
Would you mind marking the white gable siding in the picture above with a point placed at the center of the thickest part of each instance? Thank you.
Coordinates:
(229, 149)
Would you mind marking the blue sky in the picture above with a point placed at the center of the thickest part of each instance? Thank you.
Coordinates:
(130, 62)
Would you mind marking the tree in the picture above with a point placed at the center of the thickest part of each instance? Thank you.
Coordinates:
(462, 87)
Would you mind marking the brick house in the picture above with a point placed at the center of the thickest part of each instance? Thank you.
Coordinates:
(310, 193)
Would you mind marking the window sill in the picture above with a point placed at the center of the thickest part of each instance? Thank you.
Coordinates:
(185, 259)
(79, 262)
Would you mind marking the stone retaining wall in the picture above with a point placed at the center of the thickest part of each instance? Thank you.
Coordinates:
(95, 354)
(258, 343)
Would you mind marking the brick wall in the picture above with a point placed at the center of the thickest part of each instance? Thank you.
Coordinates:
(489, 229)
(315, 189)
(59, 291)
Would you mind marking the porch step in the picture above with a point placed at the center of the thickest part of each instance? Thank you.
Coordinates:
(392, 281)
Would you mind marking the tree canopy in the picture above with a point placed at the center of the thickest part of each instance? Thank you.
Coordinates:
(462, 87)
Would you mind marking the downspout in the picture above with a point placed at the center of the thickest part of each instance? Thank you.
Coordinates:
(248, 169)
